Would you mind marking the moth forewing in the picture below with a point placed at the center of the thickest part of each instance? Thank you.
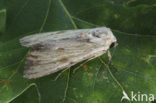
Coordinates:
(54, 51)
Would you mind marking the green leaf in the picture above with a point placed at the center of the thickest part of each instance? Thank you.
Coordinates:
(141, 2)
(32, 95)
(136, 20)
(2, 20)
(132, 22)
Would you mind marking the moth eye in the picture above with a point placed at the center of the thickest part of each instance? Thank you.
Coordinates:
(113, 45)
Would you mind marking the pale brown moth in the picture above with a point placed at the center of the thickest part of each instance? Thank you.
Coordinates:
(55, 51)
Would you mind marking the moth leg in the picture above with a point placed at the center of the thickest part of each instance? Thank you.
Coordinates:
(81, 65)
(60, 74)
(110, 60)
(110, 57)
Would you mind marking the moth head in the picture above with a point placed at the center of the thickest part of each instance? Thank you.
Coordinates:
(103, 36)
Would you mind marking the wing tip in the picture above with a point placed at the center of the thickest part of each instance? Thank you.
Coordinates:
(31, 76)
(28, 76)
(24, 42)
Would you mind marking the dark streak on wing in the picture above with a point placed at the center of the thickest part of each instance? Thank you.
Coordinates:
(41, 47)
(31, 62)
(33, 56)
(61, 49)
(38, 47)
(63, 59)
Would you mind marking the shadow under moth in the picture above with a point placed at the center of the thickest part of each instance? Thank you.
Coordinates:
(55, 51)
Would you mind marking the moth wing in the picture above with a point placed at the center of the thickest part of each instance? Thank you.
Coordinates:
(43, 61)
(55, 51)
(30, 41)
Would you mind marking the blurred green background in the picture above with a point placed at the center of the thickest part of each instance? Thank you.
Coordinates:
(133, 22)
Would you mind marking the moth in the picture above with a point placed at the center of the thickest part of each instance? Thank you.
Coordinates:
(55, 51)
